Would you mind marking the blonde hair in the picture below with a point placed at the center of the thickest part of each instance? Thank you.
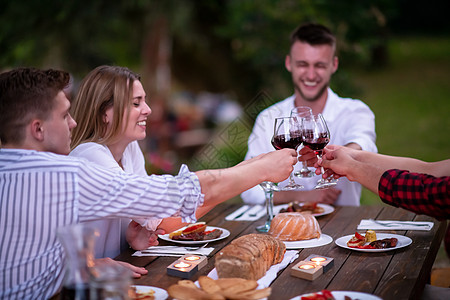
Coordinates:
(102, 88)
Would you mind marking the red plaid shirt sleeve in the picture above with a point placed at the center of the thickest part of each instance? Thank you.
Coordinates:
(420, 193)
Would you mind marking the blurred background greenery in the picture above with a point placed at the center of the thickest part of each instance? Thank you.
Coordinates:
(210, 66)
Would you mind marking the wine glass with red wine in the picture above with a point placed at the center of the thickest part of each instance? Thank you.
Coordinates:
(287, 134)
(300, 112)
(316, 136)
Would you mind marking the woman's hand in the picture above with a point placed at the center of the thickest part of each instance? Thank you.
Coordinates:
(278, 164)
(140, 238)
(137, 272)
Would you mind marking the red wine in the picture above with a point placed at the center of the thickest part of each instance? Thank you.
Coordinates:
(286, 141)
(316, 144)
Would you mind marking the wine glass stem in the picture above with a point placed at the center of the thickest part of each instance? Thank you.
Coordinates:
(269, 206)
(305, 166)
(291, 180)
(322, 171)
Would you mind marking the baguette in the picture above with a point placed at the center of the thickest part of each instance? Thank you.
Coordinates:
(249, 256)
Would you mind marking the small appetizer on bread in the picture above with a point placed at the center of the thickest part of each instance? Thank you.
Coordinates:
(191, 228)
(356, 241)
(195, 232)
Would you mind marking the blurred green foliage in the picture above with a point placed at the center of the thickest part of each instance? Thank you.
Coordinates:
(238, 47)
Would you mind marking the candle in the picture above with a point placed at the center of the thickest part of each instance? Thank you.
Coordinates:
(306, 270)
(326, 262)
(306, 267)
(318, 259)
(182, 265)
(198, 260)
(187, 265)
(192, 258)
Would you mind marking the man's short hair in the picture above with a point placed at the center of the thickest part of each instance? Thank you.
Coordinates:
(313, 34)
(27, 93)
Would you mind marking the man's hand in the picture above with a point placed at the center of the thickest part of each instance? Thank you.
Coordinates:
(308, 155)
(137, 272)
(140, 238)
(337, 161)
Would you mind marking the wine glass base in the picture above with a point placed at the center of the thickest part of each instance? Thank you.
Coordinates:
(292, 187)
(263, 228)
(269, 186)
(304, 174)
(324, 185)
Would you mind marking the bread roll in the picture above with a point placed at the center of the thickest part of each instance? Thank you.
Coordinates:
(249, 256)
(295, 226)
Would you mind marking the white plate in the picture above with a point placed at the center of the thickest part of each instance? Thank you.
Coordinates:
(224, 234)
(328, 209)
(160, 294)
(323, 240)
(340, 295)
(403, 241)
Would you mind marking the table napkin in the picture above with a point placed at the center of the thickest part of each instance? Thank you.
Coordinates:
(247, 213)
(171, 251)
(394, 225)
(271, 274)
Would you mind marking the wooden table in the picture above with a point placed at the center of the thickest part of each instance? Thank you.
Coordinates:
(396, 274)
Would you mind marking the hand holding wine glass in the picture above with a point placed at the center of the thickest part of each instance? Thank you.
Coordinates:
(316, 136)
(287, 134)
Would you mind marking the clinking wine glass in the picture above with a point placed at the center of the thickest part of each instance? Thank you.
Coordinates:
(288, 134)
(298, 113)
(316, 136)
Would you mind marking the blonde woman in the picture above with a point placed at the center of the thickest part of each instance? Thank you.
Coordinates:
(111, 111)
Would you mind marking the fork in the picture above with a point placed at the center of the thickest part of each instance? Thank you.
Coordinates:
(195, 248)
(395, 224)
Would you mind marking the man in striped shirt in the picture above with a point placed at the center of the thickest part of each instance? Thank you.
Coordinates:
(42, 189)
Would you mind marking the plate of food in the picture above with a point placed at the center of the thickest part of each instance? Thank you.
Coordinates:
(144, 292)
(336, 295)
(197, 233)
(316, 209)
(324, 239)
(373, 242)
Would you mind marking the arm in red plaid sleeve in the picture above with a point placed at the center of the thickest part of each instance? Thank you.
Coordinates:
(420, 193)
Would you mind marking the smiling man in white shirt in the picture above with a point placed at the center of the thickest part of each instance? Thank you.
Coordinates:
(312, 61)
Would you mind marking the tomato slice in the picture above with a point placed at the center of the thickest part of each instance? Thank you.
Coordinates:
(314, 297)
(193, 228)
(366, 247)
(327, 294)
(359, 237)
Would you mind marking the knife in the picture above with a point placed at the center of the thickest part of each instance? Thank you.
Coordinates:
(239, 215)
(244, 210)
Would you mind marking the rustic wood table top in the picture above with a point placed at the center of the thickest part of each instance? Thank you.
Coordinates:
(395, 274)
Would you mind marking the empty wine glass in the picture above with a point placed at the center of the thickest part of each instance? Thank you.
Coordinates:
(298, 113)
(287, 134)
(316, 136)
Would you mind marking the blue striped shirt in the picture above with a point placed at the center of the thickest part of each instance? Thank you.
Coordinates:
(41, 191)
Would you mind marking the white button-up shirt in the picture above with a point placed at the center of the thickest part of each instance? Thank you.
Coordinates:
(349, 121)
